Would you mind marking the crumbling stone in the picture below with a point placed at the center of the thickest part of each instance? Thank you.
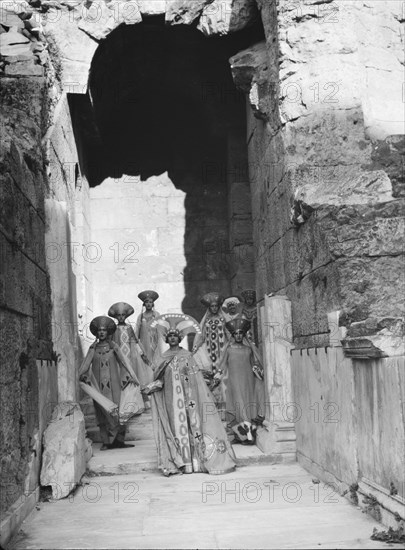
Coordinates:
(24, 68)
(64, 456)
(250, 73)
(226, 16)
(99, 19)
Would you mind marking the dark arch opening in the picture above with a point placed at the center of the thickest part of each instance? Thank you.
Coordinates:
(163, 99)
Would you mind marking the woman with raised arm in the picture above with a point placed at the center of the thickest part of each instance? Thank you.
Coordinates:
(104, 368)
(188, 431)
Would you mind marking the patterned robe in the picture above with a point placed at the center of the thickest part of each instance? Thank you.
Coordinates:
(105, 364)
(125, 338)
(188, 430)
(213, 335)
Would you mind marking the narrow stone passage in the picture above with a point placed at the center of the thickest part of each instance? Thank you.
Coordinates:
(125, 502)
(258, 506)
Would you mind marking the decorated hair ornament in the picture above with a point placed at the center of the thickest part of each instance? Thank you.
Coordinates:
(120, 308)
(176, 323)
(102, 321)
(211, 298)
(239, 323)
(231, 300)
(173, 332)
(249, 293)
(148, 294)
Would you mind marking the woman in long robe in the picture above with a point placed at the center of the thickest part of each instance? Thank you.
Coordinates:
(213, 338)
(103, 367)
(188, 431)
(242, 366)
(129, 344)
(148, 336)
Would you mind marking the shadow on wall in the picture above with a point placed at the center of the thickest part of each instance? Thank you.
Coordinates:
(163, 99)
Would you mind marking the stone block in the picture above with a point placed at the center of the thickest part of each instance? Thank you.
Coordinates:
(247, 65)
(10, 19)
(184, 12)
(64, 456)
(75, 46)
(225, 16)
(239, 194)
(241, 231)
(24, 68)
(99, 19)
(152, 7)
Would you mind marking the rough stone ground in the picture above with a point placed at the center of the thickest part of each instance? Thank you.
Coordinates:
(257, 506)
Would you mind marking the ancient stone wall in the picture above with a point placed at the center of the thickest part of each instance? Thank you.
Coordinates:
(24, 282)
(67, 248)
(325, 139)
(240, 213)
(148, 234)
(349, 421)
(326, 171)
(38, 195)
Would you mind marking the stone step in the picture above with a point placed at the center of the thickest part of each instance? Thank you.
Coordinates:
(140, 458)
(138, 428)
(143, 457)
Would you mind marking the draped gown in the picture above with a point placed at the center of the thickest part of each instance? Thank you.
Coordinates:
(188, 431)
(125, 338)
(107, 367)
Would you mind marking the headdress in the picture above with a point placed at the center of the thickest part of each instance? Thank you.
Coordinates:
(145, 294)
(102, 321)
(249, 293)
(212, 297)
(176, 323)
(239, 323)
(231, 300)
(119, 308)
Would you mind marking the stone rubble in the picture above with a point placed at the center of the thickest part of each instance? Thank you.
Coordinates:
(65, 450)
(22, 44)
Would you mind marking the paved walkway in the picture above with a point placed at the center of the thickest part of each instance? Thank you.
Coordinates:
(257, 506)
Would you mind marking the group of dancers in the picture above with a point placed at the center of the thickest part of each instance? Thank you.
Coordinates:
(189, 392)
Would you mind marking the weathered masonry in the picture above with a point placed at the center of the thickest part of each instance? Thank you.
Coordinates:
(209, 145)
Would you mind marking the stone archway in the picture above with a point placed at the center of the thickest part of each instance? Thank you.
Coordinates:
(326, 177)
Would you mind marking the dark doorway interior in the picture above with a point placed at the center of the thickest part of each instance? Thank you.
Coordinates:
(162, 99)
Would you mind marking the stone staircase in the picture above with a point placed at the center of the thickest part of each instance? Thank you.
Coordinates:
(142, 457)
(138, 428)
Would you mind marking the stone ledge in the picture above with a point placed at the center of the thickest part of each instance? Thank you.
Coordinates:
(389, 507)
(16, 514)
(375, 346)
